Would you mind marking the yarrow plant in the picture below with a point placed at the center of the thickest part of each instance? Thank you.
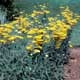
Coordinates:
(39, 28)
(46, 38)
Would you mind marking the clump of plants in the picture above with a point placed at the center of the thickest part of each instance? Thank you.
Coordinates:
(46, 44)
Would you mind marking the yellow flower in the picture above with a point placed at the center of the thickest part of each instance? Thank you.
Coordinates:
(19, 37)
(38, 37)
(46, 41)
(6, 36)
(55, 36)
(31, 32)
(33, 15)
(62, 37)
(8, 30)
(36, 51)
(29, 36)
(11, 38)
(52, 28)
(47, 36)
(23, 30)
(9, 26)
(33, 41)
(2, 41)
(46, 11)
(58, 43)
(39, 42)
(72, 22)
(41, 31)
(29, 47)
(38, 46)
(70, 45)
(50, 18)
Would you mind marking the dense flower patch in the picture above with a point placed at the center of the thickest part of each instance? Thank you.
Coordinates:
(39, 28)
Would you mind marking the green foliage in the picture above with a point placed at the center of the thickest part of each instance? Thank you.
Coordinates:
(17, 64)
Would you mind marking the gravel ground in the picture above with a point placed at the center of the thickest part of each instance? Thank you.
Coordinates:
(72, 69)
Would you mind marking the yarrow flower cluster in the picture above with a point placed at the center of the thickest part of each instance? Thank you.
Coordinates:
(39, 28)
